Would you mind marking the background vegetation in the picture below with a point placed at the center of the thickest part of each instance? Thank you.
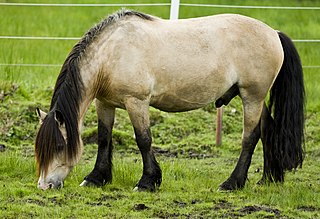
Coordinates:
(192, 165)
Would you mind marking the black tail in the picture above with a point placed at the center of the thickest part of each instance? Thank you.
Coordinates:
(287, 98)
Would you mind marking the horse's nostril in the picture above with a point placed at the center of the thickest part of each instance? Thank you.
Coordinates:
(59, 185)
(50, 185)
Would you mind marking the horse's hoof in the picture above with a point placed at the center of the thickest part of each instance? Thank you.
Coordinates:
(230, 185)
(86, 183)
(136, 189)
(223, 188)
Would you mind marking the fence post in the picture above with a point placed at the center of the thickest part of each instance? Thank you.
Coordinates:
(219, 126)
(174, 15)
(174, 11)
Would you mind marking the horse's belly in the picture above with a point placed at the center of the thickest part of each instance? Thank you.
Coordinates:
(176, 92)
(171, 104)
(175, 103)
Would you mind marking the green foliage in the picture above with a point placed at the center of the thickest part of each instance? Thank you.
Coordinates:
(193, 167)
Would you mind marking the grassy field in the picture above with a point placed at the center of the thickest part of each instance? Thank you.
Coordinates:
(193, 167)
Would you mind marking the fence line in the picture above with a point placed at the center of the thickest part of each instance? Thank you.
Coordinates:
(306, 41)
(59, 65)
(311, 66)
(38, 38)
(78, 38)
(174, 8)
(251, 6)
(160, 4)
(29, 65)
(84, 5)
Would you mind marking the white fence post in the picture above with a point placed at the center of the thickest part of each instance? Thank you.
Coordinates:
(174, 11)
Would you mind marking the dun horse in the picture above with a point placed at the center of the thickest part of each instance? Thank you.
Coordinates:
(133, 60)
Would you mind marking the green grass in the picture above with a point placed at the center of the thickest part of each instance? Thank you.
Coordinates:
(189, 189)
(190, 181)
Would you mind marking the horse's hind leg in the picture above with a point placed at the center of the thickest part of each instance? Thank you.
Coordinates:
(272, 171)
(251, 135)
(102, 172)
(138, 111)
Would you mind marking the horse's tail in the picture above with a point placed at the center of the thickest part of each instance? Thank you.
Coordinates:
(287, 99)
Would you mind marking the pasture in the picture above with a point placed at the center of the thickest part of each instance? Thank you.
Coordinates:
(193, 167)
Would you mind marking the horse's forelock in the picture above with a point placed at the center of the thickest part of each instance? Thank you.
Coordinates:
(49, 142)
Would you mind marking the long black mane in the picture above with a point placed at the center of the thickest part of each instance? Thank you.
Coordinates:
(67, 96)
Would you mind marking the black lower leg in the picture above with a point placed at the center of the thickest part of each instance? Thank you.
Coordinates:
(239, 175)
(102, 172)
(152, 175)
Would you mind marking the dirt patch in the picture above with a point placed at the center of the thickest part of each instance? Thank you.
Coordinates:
(113, 197)
(231, 211)
(254, 208)
(57, 200)
(163, 214)
(308, 208)
(140, 207)
(164, 152)
(36, 202)
(2, 148)
(222, 204)
(180, 204)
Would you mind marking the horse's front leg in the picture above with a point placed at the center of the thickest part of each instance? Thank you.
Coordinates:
(102, 172)
(251, 135)
(138, 111)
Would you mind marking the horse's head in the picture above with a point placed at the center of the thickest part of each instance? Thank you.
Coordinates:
(54, 154)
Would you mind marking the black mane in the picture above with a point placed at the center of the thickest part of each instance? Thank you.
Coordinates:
(67, 96)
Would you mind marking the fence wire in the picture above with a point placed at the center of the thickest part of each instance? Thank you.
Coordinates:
(134, 5)
(159, 4)
(78, 38)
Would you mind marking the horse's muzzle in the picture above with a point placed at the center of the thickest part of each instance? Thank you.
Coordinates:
(50, 185)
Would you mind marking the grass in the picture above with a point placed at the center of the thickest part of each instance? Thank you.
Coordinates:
(184, 193)
(193, 167)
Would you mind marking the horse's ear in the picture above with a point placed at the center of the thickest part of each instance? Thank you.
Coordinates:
(58, 117)
(41, 114)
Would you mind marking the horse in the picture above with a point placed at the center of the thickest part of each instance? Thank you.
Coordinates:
(131, 60)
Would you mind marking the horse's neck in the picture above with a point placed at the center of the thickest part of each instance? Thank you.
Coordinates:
(89, 74)
(90, 71)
